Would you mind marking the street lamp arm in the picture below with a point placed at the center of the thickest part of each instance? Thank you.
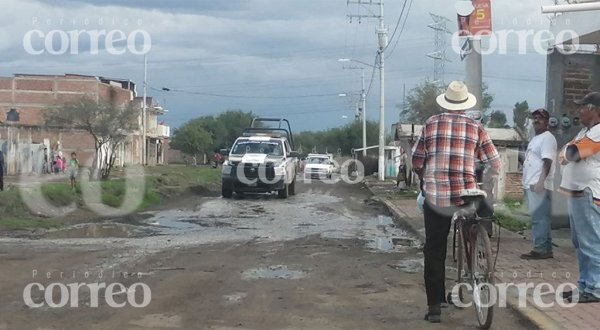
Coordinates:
(357, 61)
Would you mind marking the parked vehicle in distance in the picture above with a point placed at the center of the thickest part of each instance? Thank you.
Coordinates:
(319, 165)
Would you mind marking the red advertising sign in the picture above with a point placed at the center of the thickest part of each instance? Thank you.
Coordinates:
(481, 19)
(479, 22)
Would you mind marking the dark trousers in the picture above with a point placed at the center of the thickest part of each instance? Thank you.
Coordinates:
(1, 179)
(437, 227)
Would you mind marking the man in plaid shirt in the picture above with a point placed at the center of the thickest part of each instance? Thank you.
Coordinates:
(445, 159)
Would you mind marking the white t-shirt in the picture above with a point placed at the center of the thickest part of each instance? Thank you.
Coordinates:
(542, 146)
(585, 173)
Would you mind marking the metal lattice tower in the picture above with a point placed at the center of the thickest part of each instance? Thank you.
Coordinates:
(440, 42)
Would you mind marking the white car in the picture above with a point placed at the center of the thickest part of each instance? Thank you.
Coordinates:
(318, 165)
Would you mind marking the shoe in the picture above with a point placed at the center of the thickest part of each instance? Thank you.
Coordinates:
(434, 314)
(586, 298)
(534, 255)
(567, 294)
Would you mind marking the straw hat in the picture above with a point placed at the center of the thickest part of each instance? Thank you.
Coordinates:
(457, 97)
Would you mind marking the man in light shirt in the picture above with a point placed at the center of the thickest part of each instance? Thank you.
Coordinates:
(581, 181)
(538, 175)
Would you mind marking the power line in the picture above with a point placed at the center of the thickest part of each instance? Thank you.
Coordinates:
(245, 96)
(397, 24)
(401, 30)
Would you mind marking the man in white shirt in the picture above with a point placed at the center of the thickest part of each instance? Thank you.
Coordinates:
(581, 181)
(538, 175)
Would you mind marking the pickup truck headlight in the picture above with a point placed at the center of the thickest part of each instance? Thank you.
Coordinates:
(280, 170)
(226, 168)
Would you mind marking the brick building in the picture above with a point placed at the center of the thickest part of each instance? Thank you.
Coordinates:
(23, 137)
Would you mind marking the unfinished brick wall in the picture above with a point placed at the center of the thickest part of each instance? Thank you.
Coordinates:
(577, 82)
(31, 95)
(514, 185)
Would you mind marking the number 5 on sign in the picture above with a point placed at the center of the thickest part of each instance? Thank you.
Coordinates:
(481, 18)
(480, 14)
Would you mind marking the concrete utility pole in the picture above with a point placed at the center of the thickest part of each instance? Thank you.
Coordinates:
(383, 42)
(144, 114)
(363, 113)
(474, 78)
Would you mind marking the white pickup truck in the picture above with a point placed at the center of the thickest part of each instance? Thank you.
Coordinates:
(319, 165)
(261, 160)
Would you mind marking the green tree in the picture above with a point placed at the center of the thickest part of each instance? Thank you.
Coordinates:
(497, 120)
(192, 139)
(234, 122)
(107, 122)
(486, 103)
(422, 102)
(520, 115)
(346, 138)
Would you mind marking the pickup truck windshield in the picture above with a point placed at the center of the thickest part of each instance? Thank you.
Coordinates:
(272, 148)
(318, 161)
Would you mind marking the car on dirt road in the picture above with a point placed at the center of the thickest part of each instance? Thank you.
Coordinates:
(319, 165)
(262, 160)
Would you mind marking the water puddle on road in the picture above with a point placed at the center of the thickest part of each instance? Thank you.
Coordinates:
(219, 220)
(96, 230)
(273, 272)
(383, 235)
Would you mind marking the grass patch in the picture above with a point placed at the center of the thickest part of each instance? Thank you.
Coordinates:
(27, 223)
(510, 222)
(160, 182)
(59, 194)
(405, 194)
(514, 203)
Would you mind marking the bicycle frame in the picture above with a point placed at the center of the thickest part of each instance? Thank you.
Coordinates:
(468, 227)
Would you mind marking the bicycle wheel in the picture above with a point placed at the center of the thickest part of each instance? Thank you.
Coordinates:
(484, 294)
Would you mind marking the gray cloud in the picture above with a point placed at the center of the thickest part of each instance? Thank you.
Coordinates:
(264, 48)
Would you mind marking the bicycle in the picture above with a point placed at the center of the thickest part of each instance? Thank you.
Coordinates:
(471, 247)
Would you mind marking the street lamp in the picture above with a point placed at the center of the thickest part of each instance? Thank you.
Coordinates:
(381, 158)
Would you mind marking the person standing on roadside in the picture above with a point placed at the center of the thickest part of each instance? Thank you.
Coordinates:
(1, 171)
(73, 169)
(445, 158)
(538, 177)
(581, 181)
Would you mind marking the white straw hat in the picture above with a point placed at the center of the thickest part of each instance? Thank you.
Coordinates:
(457, 97)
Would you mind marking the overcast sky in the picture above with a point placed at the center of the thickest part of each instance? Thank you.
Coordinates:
(273, 57)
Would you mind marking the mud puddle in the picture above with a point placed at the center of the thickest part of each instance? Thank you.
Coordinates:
(99, 230)
(384, 236)
(273, 272)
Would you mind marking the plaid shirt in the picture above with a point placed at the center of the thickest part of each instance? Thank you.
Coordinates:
(445, 156)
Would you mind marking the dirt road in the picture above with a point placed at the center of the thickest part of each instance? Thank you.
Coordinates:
(327, 258)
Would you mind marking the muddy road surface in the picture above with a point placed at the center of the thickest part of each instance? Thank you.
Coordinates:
(327, 258)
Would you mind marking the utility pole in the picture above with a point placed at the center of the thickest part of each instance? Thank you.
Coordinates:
(383, 42)
(144, 113)
(474, 79)
(363, 113)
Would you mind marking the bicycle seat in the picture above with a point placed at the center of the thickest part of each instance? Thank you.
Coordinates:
(472, 195)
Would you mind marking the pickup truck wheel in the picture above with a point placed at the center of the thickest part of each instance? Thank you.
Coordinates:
(292, 188)
(227, 192)
(285, 192)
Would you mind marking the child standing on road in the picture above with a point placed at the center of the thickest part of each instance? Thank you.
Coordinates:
(73, 169)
